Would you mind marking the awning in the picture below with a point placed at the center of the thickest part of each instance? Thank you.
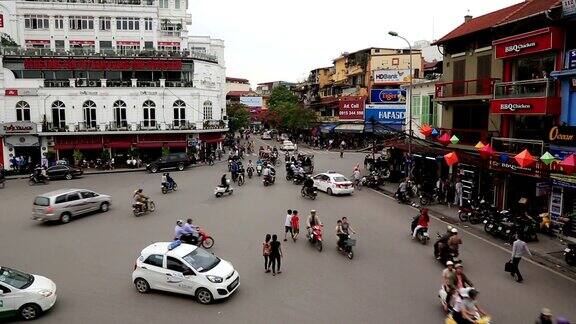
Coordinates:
(64, 146)
(562, 152)
(150, 144)
(210, 137)
(21, 140)
(176, 144)
(382, 128)
(349, 128)
(128, 43)
(89, 146)
(119, 145)
(327, 128)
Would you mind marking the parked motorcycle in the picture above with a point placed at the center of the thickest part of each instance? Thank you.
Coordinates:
(35, 180)
(347, 246)
(315, 236)
(373, 180)
(221, 191)
(470, 211)
(311, 193)
(570, 254)
(139, 209)
(166, 187)
(427, 198)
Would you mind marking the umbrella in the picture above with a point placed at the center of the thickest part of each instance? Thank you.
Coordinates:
(486, 151)
(524, 159)
(454, 139)
(426, 130)
(444, 139)
(451, 158)
(435, 132)
(547, 158)
(569, 164)
(479, 145)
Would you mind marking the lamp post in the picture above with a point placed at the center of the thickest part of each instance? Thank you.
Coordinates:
(395, 34)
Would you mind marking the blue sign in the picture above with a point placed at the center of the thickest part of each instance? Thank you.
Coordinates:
(385, 114)
(387, 95)
(572, 59)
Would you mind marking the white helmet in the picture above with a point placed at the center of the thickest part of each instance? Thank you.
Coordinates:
(454, 230)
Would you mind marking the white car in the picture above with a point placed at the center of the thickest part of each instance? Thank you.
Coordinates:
(288, 146)
(23, 294)
(185, 269)
(333, 183)
(266, 136)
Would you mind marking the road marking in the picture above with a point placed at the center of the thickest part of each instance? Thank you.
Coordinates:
(486, 241)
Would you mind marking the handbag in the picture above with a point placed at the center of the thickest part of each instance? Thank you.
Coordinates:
(508, 266)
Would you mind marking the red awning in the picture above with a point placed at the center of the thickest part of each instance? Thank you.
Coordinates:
(81, 42)
(89, 146)
(150, 144)
(128, 42)
(119, 145)
(64, 146)
(176, 144)
(169, 44)
(37, 42)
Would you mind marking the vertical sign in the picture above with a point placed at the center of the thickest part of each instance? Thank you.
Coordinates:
(1, 20)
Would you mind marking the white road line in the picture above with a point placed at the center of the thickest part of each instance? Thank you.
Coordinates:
(486, 241)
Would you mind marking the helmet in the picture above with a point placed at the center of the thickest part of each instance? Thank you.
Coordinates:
(449, 228)
(179, 222)
(454, 230)
(449, 263)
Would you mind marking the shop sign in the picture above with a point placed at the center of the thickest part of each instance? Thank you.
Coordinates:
(571, 54)
(387, 95)
(525, 106)
(177, 44)
(561, 152)
(1, 20)
(536, 171)
(568, 7)
(101, 64)
(563, 181)
(11, 92)
(251, 102)
(386, 114)
(128, 43)
(37, 42)
(532, 42)
(81, 42)
(351, 108)
(391, 76)
(562, 135)
(22, 140)
(542, 189)
(18, 128)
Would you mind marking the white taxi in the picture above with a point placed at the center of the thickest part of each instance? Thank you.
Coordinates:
(185, 269)
(333, 183)
(25, 295)
(288, 146)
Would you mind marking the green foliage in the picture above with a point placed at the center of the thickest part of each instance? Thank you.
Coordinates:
(134, 152)
(280, 96)
(105, 155)
(7, 41)
(77, 156)
(238, 116)
(165, 150)
(288, 112)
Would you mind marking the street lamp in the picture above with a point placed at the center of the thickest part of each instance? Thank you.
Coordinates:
(395, 34)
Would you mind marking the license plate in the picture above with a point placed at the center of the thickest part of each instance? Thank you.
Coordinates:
(567, 250)
(234, 283)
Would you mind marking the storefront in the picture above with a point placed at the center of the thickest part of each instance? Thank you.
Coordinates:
(21, 145)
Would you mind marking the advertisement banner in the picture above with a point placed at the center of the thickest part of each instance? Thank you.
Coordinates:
(528, 43)
(18, 128)
(252, 102)
(387, 96)
(351, 108)
(571, 58)
(568, 7)
(562, 135)
(391, 76)
(386, 114)
(530, 106)
(101, 64)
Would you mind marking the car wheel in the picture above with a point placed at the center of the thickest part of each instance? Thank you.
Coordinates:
(142, 286)
(329, 191)
(65, 218)
(154, 169)
(29, 312)
(208, 243)
(180, 167)
(204, 296)
(104, 207)
(68, 176)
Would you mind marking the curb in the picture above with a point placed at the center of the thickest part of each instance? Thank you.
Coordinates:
(541, 258)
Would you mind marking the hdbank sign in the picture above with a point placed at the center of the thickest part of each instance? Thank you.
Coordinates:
(386, 114)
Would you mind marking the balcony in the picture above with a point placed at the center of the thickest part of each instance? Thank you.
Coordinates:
(86, 127)
(87, 83)
(121, 125)
(104, 2)
(181, 125)
(51, 127)
(147, 84)
(537, 88)
(465, 88)
(118, 84)
(179, 84)
(470, 136)
(57, 83)
(214, 124)
(148, 125)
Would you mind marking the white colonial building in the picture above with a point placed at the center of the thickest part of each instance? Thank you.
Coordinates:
(116, 75)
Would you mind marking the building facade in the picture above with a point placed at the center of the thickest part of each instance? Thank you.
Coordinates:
(106, 75)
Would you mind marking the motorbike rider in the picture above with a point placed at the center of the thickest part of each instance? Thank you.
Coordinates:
(266, 172)
(340, 234)
(346, 227)
(234, 169)
(224, 182)
(181, 234)
(423, 220)
(140, 198)
(40, 173)
(356, 175)
(454, 241)
(443, 241)
(466, 309)
(402, 188)
(312, 221)
(169, 180)
(250, 166)
(448, 283)
(308, 185)
(192, 230)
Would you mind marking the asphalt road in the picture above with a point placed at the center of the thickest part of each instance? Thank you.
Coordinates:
(391, 279)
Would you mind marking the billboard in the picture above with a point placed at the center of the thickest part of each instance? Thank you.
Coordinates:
(387, 96)
(386, 114)
(391, 76)
(351, 108)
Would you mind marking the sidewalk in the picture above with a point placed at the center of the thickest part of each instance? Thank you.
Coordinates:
(546, 251)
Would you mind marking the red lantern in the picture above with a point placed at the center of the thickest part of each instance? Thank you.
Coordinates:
(444, 139)
(569, 164)
(426, 130)
(486, 152)
(451, 158)
(524, 159)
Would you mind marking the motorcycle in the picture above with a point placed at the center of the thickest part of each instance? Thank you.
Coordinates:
(240, 179)
(315, 236)
(427, 198)
(166, 187)
(470, 211)
(221, 191)
(570, 254)
(479, 320)
(259, 169)
(493, 224)
(445, 253)
(34, 180)
(346, 248)
(422, 235)
(311, 193)
(139, 209)
(268, 180)
(298, 179)
(250, 172)
(443, 294)
(401, 197)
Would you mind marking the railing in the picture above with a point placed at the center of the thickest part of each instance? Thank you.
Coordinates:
(148, 125)
(182, 125)
(56, 83)
(87, 83)
(106, 2)
(179, 84)
(118, 83)
(477, 87)
(19, 51)
(120, 125)
(214, 124)
(51, 127)
(537, 88)
(469, 136)
(86, 127)
(148, 83)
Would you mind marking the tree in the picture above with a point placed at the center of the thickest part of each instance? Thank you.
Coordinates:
(238, 116)
(281, 95)
(289, 113)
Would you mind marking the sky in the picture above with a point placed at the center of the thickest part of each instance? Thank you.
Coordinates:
(284, 40)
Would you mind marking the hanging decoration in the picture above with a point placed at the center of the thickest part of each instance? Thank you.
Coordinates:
(454, 139)
(547, 158)
(569, 164)
(524, 159)
(479, 145)
(451, 158)
(486, 151)
(425, 130)
(444, 139)
(435, 132)
(504, 158)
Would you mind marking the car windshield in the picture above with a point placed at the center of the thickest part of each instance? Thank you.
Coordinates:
(340, 179)
(16, 278)
(41, 201)
(201, 260)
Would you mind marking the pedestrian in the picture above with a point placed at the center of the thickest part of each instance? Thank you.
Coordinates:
(545, 317)
(295, 225)
(275, 255)
(459, 191)
(266, 249)
(288, 224)
(112, 163)
(519, 249)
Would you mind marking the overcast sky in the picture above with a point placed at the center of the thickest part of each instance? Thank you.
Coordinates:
(284, 40)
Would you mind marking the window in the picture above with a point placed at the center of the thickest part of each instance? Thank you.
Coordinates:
(177, 4)
(5, 290)
(87, 194)
(73, 197)
(175, 265)
(459, 74)
(120, 114)
(60, 199)
(58, 114)
(179, 113)
(163, 3)
(22, 111)
(89, 109)
(207, 110)
(128, 23)
(149, 110)
(154, 260)
(105, 23)
(59, 43)
(81, 23)
(415, 105)
(15, 278)
(148, 23)
(36, 22)
(424, 110)
(58, 22)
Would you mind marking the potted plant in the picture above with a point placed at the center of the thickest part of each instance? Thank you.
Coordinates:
(78, 157)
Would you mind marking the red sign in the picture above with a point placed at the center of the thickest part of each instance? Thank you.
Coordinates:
(351, 108)
(37, 42)
(536, 41)
(102, 64)
(130, 43)
(526, 106)
(1, 20)
(169, 44)
(81, 42)
(11, 92)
